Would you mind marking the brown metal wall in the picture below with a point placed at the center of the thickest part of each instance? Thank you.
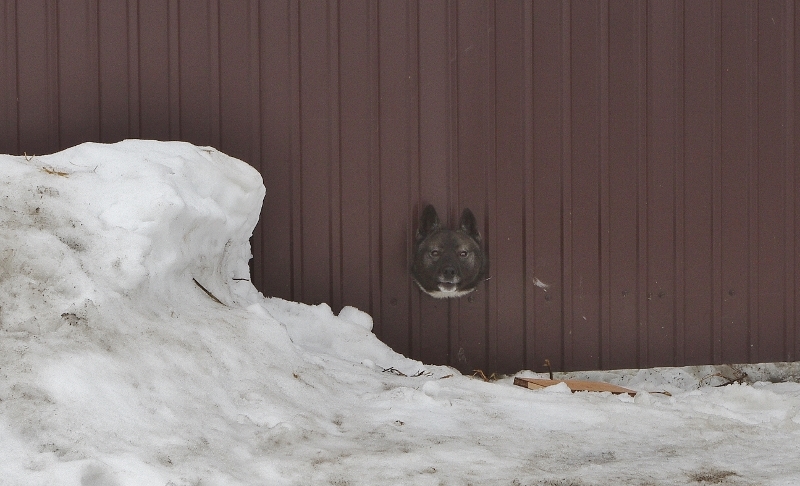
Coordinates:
(632, 164)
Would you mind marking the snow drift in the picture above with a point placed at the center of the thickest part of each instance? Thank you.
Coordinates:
(110, 344)
(134, 351)
(131, 220)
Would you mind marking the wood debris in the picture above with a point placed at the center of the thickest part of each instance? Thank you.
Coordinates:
(574, 385)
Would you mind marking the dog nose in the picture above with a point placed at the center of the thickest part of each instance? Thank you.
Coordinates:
(449, 272)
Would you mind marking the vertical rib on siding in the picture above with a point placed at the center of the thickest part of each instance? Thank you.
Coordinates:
(550, 48)
(736, 147)
(626, 71)
(114, 71)
(78, 72)
(436, 62)
(770, 317)
(582, 190)
(357, 76)
(37, 77)
(509, 191)
(792, 42)
(529, 256)
(475, 154)
(662, 144)
(699, 196)
(8, 79)
(279, 107)
(398, 128)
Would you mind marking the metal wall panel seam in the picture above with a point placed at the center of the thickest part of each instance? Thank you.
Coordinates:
(621, 266)
(489, 221)
(604, 183)
(490, 188)
(77, 72)
(215, 75)
(174, 78)
(273, 269)
(296, 150)
(292, 107)
(566, 190)
(412, 161)
(475, 107)
(50, 80)
(256, 116)
(413, 208)
(753, 184)
(113, 72)
(335, 151)
(736, 126)
(375, 288)
(377, 231)
(716, 238)
(772, 183)
(547, 96)
(679, 191)
(507, 192)
(432, 315)
(661, 152)
(642, 195)
(529, 321)
(134, 76)
(397, 139)
(452, 161)
(9, 80)
(790, 314)
(53, 77)
(793, 160)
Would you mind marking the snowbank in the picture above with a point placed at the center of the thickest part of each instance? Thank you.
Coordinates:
(134, 351)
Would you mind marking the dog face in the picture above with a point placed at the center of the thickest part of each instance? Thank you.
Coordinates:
(448, 263)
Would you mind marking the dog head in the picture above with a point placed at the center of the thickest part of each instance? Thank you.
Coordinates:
(448, 263)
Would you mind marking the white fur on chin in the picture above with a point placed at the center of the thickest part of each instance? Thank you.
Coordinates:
(444, 294)
(448, 294)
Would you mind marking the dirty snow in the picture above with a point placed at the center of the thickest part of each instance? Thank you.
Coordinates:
(117, 368)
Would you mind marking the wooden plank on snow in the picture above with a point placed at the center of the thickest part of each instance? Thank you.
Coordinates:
(574, 385)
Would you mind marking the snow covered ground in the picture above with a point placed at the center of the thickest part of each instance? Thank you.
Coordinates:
(117, 368)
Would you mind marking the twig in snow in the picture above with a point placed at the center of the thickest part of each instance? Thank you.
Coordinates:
(209, 293)
(741, 375)
(738, 378)
(397, 372)
(394, 371)
(549, 368)
(480, 374)
(52, 171)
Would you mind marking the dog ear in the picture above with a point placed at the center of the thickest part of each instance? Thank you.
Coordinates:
(468, 225)
(428, 223)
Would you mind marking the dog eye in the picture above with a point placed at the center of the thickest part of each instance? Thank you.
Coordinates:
(463, 253)
(435, 253)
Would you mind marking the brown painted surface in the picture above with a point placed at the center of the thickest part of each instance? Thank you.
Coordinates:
(632, 165)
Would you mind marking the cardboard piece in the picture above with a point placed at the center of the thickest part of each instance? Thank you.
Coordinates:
(574, 385)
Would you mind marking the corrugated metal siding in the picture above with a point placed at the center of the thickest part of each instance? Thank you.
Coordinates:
(632, 164)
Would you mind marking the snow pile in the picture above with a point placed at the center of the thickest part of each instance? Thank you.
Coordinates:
(134, 351)
(135, 220)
